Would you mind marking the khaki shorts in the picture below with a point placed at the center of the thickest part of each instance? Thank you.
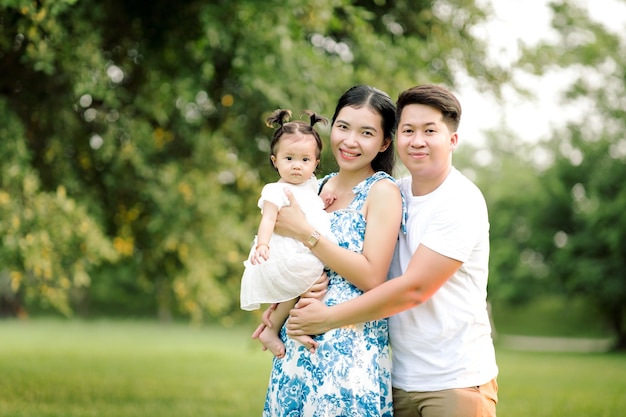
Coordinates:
(479, 401)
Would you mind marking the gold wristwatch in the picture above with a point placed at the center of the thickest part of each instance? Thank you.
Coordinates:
(312, 240)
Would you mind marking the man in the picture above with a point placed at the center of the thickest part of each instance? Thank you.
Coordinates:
(443, 355)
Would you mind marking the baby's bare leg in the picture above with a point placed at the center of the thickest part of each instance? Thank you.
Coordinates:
(307, 341)
(269, 336)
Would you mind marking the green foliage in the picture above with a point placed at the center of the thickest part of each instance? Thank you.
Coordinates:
(587, 218)
(50, 245)
(588, 224)
(138, 128)
(549, 316)
(557, 208)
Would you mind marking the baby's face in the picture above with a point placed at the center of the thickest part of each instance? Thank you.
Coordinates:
(296, 158)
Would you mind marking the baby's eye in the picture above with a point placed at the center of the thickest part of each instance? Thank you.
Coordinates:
(288, 158)
(306, 159)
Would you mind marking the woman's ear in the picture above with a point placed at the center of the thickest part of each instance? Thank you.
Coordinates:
(385, 145)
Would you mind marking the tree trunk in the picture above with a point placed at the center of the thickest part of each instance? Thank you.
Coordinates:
(620, 331)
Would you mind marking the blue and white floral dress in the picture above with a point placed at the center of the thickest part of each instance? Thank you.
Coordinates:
(350, 373)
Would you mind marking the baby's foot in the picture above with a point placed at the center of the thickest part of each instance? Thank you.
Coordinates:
(307, 341)
(272, 342)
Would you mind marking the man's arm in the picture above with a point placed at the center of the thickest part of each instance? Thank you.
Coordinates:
(426, 273)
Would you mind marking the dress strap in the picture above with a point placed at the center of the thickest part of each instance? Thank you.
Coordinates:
(323, 182)
(362, 190)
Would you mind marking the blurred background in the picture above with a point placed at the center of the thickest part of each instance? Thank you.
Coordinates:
(133, 147)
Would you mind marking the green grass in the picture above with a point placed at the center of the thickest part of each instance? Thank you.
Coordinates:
(143, 369)
(75, 368)
(561, 385)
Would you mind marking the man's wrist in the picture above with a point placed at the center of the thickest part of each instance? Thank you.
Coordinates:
(331, 320)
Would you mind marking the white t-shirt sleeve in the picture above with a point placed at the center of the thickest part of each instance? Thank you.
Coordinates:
(273, 193)
(457, 226)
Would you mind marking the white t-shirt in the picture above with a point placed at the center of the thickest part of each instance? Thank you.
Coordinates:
(445, 342)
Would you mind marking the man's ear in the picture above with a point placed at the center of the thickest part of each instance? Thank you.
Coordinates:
(454, 141)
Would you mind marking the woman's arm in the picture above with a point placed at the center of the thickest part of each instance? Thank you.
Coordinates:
(383, 214)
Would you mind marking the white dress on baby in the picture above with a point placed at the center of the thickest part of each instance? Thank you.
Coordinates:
(291, 268)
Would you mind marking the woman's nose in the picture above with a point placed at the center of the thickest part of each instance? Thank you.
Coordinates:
(350, 138)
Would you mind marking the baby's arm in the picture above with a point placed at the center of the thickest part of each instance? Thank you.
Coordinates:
(264, 233)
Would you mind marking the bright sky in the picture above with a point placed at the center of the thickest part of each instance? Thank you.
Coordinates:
(527, 21)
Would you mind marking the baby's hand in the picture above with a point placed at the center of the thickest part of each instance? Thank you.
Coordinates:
(328, 199)
(260, 255)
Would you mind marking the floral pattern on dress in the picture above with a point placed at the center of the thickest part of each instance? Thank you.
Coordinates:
(350, 373)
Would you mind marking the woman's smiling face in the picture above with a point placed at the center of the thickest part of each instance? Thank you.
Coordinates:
(356, 137)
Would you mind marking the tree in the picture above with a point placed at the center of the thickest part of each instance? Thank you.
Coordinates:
(147, 118)
(584, 223)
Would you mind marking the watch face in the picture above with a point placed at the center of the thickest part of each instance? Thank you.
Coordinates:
(312, 240)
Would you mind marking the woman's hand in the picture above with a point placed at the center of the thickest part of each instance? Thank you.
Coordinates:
(291, 221)
(319, 289)
(265, 322)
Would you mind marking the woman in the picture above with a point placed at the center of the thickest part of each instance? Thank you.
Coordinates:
(349, 373)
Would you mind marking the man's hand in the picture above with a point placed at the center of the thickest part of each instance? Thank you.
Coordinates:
(310, 317)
